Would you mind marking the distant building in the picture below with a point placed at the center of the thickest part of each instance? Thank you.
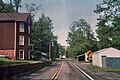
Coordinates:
(15, 35)
(85, 57)
(108, 57)
(81, 57)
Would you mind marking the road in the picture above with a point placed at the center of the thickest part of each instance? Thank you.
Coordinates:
(70, 72)
(66, 69)
(61, 70)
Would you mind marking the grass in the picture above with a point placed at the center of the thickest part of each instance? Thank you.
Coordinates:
(96, 68)
(4, 61)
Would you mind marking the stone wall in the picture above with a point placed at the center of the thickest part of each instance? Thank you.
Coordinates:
(6, 72)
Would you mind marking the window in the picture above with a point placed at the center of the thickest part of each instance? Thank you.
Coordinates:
(28, 29)
(28, 41)
(21, 29)
(21, 40)
(21, 54)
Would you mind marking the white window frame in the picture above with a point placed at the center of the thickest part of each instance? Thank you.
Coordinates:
(20, 54)
(28, 29)
(21, 27)
(21, 40)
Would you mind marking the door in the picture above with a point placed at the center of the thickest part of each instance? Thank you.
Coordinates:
(104, 61)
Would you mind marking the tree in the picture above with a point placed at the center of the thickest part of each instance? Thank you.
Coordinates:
(116, 33)
(108, 23)
(42, 34)
(16, 5)
(55, 48)
(32, 8)
(80, 38)
(5, 8)
(61, 50)
(104, 34)
(12, 6)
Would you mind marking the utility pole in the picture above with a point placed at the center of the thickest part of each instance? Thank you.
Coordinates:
(49, 50)
(67, 49)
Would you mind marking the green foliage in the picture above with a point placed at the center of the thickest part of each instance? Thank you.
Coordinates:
(104, 35)
(5, 8)
(80, 38)
(42, 32)
(42, 35)
(61, 50)
(108, 23)
(12, 6)
(55, 49)
(116, 33)
(4, 61)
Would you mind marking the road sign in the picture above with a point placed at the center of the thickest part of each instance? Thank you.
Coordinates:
(89, 54)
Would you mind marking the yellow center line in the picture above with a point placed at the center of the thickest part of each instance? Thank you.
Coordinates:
(54, 77)
(58, 72)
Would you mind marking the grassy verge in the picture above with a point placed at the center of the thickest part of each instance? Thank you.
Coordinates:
(4, 61)
(96, 68)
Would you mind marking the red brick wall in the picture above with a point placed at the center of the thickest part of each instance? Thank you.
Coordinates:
(8, 53)
(7, 36)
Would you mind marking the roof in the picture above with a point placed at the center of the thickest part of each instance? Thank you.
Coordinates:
(14, 16)
(80, 55)
(107, 49)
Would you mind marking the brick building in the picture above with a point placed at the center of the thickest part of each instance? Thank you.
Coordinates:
(15, 35)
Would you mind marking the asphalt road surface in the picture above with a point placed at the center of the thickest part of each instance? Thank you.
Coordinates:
(66, 69)
(70, 72)
(61, 70)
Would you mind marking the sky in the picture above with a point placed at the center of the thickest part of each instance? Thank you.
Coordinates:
(64, 12)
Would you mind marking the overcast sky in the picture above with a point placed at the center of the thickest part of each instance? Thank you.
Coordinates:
(64, 12)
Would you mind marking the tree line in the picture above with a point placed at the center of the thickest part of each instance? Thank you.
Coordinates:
(81, 38)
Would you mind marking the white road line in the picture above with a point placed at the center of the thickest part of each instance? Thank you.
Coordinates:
(83, 72)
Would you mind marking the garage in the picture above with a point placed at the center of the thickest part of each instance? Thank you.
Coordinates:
(108, 57)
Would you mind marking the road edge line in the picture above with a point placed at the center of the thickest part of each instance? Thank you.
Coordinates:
(83, 72)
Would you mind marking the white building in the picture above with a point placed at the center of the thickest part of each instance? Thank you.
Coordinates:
(99, 57)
